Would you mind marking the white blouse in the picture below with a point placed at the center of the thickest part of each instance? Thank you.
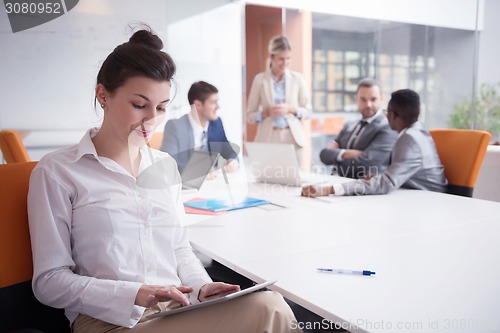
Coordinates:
(98, 233)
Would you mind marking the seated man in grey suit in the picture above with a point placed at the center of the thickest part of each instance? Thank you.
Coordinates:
(362, 147)
(414, 160)
(200, 129)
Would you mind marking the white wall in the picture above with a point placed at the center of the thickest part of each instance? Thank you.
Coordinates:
(207, 47)
(458, 14)
(453, 53)
(48, 72)
(489, 46)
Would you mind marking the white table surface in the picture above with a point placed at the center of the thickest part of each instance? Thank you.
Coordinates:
(451, 278)
(437, 256)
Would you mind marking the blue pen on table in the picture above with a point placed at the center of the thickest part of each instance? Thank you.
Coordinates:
(344, 271)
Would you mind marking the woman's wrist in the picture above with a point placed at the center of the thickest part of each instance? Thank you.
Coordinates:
(265, 113)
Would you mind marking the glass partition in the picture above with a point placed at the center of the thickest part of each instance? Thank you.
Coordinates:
(436, 62)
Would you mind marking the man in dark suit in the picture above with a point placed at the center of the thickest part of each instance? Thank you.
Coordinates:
(362, 147)
(414, 163)
(201, 129)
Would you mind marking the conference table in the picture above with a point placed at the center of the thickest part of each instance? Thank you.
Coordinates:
(436, 256)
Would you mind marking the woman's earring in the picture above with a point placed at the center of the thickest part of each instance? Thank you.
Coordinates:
(103, 105)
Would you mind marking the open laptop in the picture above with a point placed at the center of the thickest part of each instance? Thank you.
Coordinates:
(213, 301)
(200, 164)
(275, 163)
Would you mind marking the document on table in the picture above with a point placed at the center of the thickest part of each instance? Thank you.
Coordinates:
(223, 204)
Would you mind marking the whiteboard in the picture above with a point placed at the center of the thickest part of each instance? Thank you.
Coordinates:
(48, 72)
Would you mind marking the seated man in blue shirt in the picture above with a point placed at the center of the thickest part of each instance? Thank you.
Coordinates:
(414, 159)
(201, 129)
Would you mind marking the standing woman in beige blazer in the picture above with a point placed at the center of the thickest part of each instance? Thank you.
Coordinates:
(278, 100)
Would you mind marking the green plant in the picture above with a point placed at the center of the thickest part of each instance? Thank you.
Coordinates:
(486, 110)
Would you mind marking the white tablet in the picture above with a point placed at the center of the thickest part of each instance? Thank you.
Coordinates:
(213, 301)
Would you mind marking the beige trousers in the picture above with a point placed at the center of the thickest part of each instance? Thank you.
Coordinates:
(258, 312)
(285, 136)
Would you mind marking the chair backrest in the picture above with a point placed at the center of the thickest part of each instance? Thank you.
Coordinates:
(19, 309)
(156, 140)
(462, 153)
(316, 125)
(333, 125)
(13, 149)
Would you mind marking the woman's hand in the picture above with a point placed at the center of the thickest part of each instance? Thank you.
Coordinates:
(215, 290)
(150, 295)
(279, 110)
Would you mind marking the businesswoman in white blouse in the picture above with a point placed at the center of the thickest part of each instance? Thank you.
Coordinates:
(278, 100)
(107, 237)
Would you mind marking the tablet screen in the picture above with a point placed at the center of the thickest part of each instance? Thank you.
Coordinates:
(213, 301)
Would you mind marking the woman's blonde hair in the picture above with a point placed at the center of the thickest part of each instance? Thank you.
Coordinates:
(279, 44)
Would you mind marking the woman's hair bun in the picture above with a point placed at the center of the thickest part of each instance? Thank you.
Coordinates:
(147, 38)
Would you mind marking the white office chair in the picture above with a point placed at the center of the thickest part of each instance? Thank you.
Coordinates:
(489, 176)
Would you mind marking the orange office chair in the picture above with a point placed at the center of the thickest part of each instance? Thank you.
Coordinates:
(19, 309)
(462, 153)
(13, 149)
(316, 125)
(333, 125)
(156, 140)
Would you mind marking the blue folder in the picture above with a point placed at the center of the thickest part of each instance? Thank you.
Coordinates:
(222, 204)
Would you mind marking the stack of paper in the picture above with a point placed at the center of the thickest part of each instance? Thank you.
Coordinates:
(192, 210)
